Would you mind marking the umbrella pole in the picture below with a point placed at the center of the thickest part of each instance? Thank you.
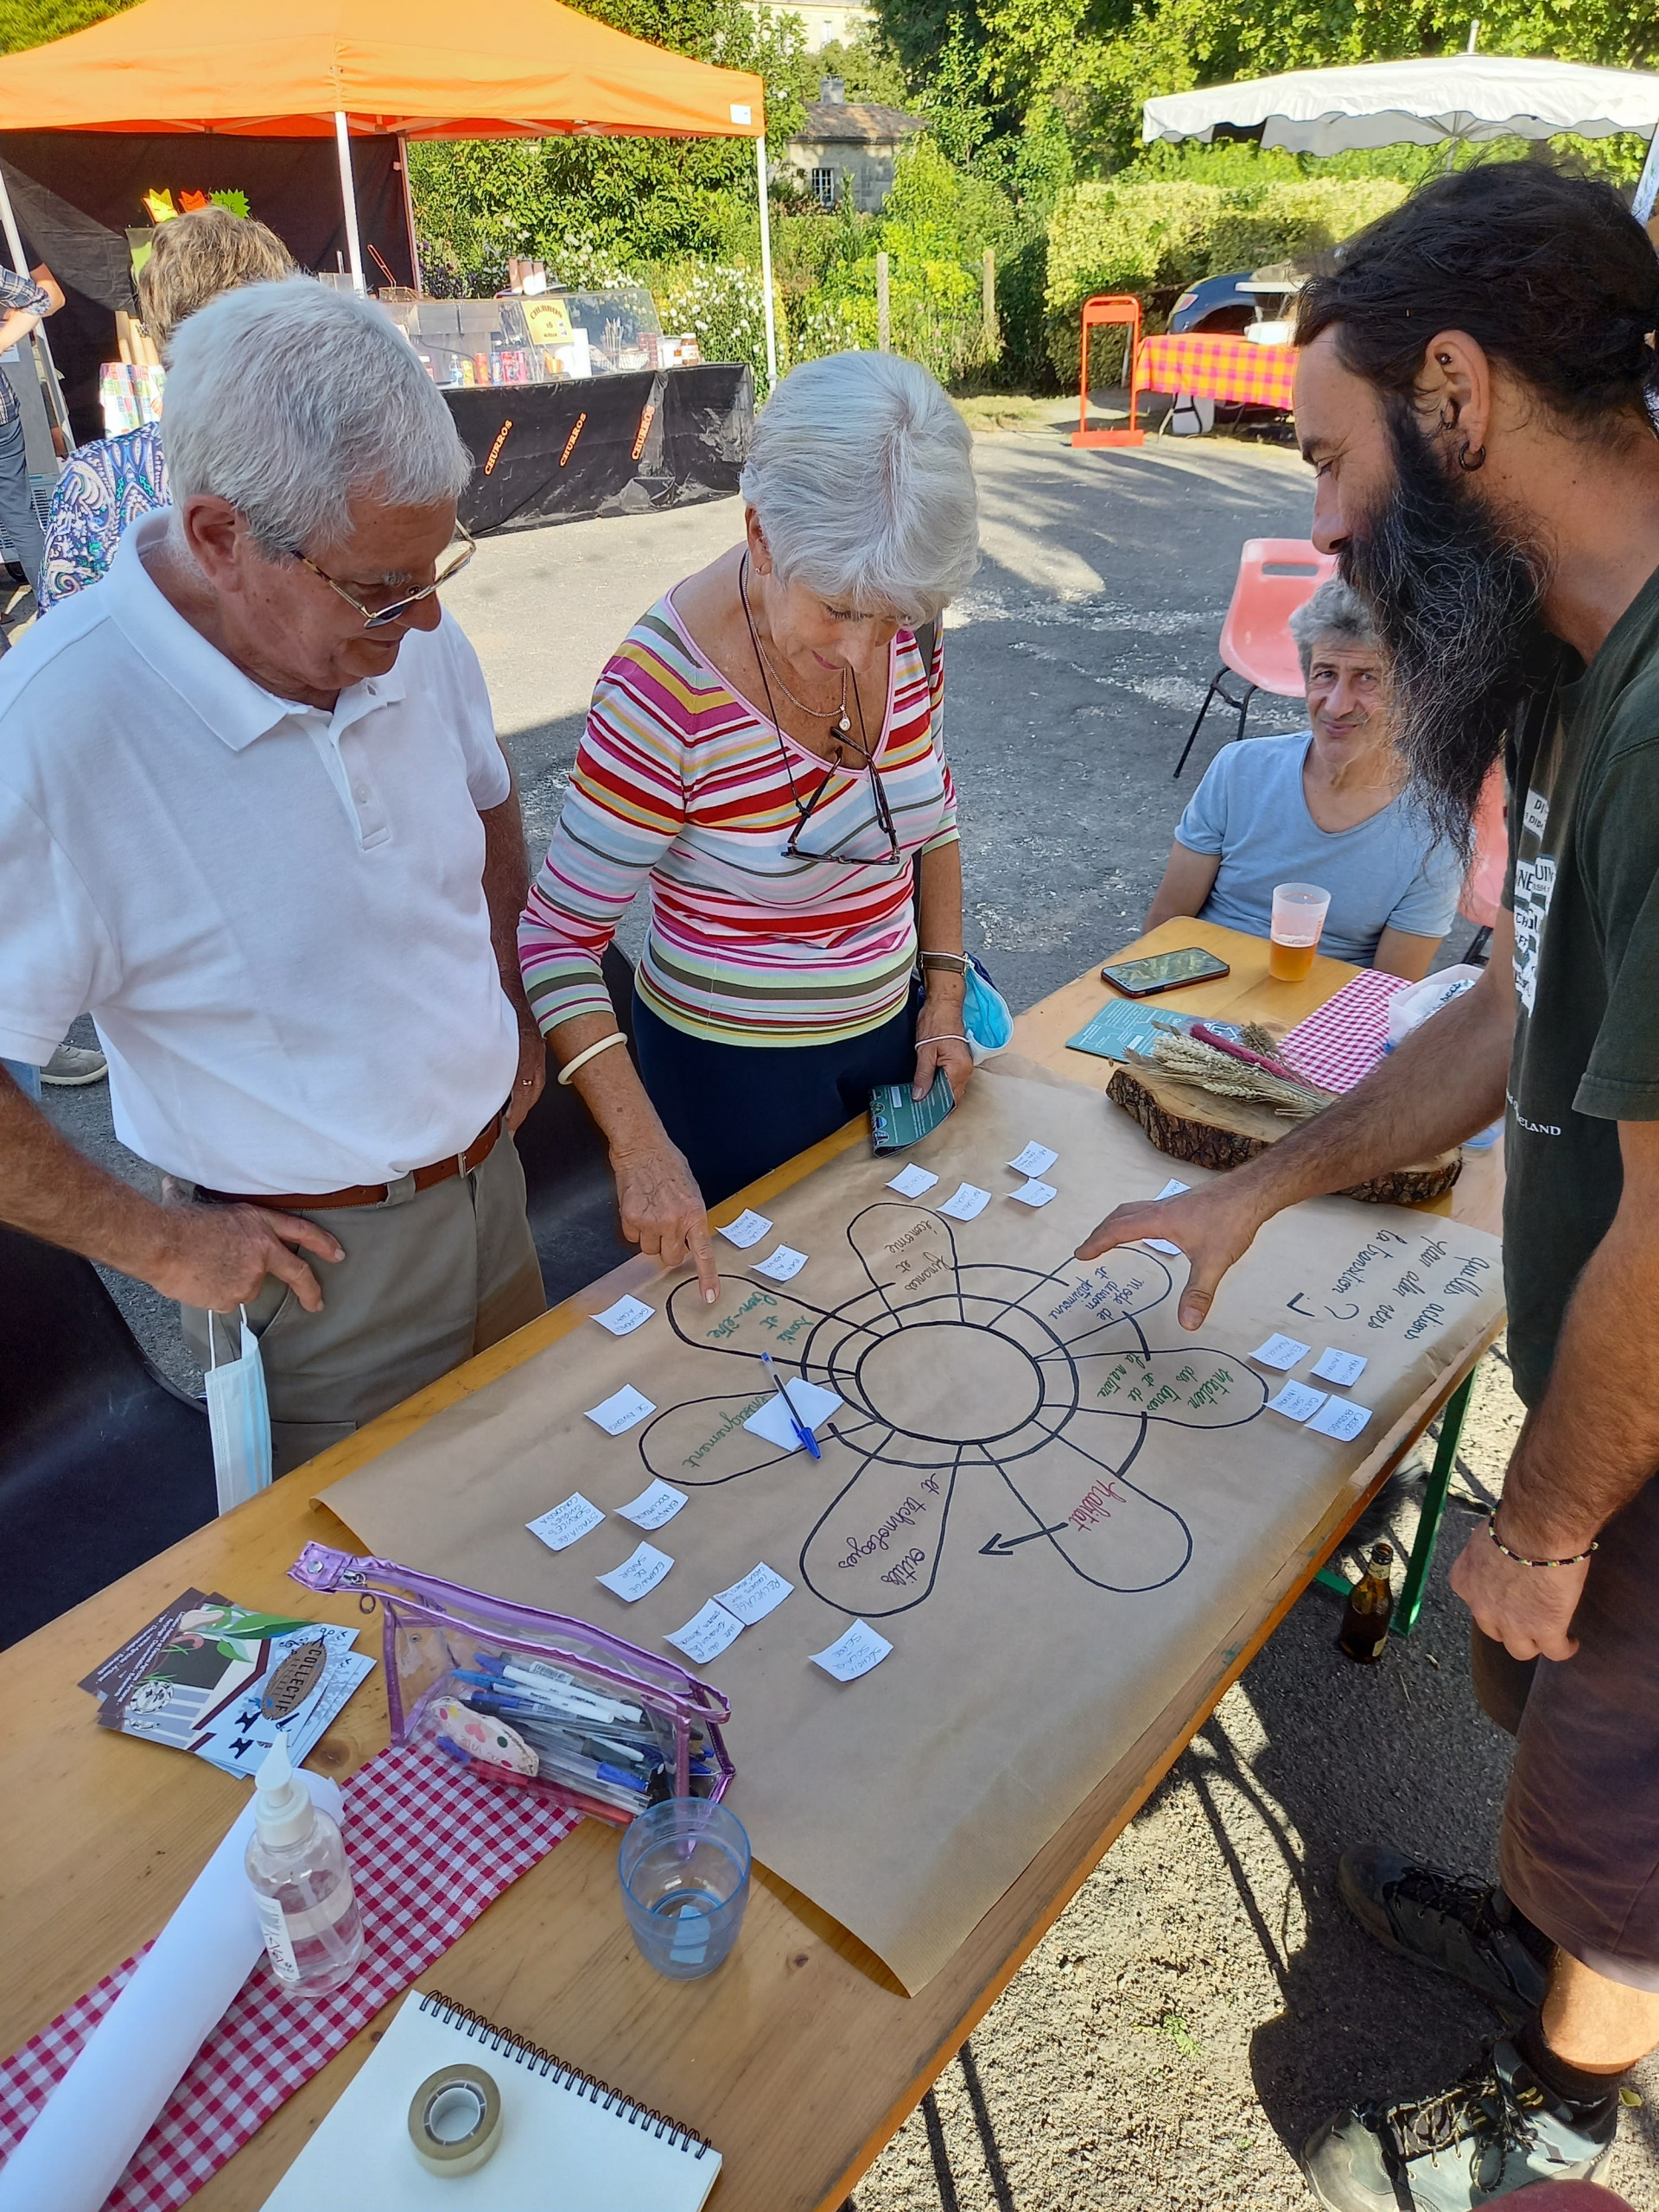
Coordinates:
(52, 390)
(348, 201)
(766, 263)
(408, 218)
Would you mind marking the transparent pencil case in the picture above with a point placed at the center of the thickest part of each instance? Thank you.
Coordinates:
(531, 1700)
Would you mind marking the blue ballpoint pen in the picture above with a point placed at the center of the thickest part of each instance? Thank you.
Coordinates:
(801, 1428)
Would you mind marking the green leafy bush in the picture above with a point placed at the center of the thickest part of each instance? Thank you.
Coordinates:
(724, 307)
(1292, 222)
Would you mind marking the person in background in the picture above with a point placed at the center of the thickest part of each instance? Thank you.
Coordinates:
(26, 302)
(257, 821)
(764, 750)
(1471, 392)
(1328, 805)
(110, 483)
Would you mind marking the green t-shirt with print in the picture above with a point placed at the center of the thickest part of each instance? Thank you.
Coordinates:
(1584, 887)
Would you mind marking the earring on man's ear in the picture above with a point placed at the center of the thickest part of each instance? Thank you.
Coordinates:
(1468, 461)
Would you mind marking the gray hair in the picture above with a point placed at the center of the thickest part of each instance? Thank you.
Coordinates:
(289, 399)
(1336, 613)
(862, 474)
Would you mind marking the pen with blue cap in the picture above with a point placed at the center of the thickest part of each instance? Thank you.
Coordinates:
(801, 1429)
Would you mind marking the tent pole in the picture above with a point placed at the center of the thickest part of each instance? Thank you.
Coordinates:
(408, 218)
(766, 263)
(348, 201)
(46, 368)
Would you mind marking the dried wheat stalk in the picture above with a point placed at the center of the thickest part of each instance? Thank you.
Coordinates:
(1206, 1067)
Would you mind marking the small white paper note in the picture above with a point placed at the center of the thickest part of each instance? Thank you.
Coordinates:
(1171, 1190)
(1341, 1418)
(748, 1229)
(1035, 1160)
(783, 1266)
(707, 1634)
(853, 1653)
(813, 1404)
(910, 1182)
(626, 1316)
(562, 1524)
(755, 1596)
(621, 1410)
(965, 1202)
(1034, 1193)
(1343, 1367)
(1296, 1402)
(643, 1569)
(654, 1506)
(1279, 1352)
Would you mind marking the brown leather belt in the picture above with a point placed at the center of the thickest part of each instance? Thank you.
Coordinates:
(369, 1194)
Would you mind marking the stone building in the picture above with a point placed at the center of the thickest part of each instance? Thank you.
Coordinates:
(846, 149)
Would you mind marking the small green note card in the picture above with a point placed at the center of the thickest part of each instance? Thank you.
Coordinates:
(898, 1120)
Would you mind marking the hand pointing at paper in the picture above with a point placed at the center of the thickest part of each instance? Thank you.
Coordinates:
(1213, 1227)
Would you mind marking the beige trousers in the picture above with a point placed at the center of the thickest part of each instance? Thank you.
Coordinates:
(428, 1279)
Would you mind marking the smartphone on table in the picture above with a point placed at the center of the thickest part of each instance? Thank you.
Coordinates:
(1163, 971)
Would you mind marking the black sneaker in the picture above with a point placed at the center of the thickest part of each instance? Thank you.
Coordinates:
(1468, 1930)
(1494, 2131)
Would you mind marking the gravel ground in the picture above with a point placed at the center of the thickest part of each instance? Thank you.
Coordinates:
(1205, 2001)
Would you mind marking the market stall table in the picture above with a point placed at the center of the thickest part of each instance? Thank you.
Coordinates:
(1233, 371)
(803, 2056)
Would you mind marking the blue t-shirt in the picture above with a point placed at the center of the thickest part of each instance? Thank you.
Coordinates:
(1388, 872)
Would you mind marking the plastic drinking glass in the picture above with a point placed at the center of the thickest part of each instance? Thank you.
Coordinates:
(1298, 912)
(685, 1871)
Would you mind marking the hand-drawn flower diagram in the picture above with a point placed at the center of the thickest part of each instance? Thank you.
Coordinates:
(954, 1372)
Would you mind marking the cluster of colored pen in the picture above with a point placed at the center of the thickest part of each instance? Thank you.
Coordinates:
(599, 1744)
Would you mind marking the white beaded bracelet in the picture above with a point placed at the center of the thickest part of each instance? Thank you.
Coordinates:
(593, 1051)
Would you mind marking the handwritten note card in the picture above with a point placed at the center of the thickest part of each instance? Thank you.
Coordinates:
(748, 1229)
(910, 1182)
(626, 1316)
(561, 1524)
(654, 1506)
(707, 1634)
(1341, 1418)
(1034, 1193)
(966, 1202)
(1279, 1352)
(643, 1569)
(853, 1653)
(783, 1266)
(1171, 1190)
(1296, 1402)
(621, 1410)
(756, 1595)
(1035, 1160)
(1343, 1367)
(814, 1405)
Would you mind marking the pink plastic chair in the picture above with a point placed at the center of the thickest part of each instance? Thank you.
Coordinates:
(1275, 576)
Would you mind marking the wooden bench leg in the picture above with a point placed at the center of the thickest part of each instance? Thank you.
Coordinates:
(1428, 1524)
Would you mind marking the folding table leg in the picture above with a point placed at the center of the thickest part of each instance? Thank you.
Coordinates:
(1428, 1525)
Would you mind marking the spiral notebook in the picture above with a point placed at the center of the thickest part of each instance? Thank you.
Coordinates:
(567, 2144)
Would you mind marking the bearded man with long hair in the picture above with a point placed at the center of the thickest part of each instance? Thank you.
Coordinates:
(1475, 394)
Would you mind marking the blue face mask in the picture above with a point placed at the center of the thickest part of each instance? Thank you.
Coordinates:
(985, 1014)
(238, 1419)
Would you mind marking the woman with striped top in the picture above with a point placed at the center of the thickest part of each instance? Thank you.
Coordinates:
(763, 752)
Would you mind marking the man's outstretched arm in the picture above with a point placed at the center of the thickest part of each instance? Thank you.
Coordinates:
(1445, 1083)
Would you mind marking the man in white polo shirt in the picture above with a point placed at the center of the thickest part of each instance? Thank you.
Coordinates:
(254, 819)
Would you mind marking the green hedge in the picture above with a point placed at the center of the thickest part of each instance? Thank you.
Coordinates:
(1148, 238)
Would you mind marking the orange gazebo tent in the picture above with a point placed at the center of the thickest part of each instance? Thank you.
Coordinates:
(412, 68)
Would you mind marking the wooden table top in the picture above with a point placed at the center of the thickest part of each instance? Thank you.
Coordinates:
(801, 2057)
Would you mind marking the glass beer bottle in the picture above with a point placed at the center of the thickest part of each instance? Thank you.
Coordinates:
(1364, 1632)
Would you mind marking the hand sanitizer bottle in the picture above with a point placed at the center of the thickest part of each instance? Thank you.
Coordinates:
(302, 1885)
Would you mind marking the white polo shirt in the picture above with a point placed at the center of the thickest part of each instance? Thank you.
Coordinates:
(275, 915)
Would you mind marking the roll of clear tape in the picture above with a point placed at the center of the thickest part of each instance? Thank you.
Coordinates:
(455, 2120)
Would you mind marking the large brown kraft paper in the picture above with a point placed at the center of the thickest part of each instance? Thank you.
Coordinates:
(1028, 1444)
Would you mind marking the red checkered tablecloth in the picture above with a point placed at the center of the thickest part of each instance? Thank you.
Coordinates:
(416, 1902)
(1218, 365)
(1348, 1035)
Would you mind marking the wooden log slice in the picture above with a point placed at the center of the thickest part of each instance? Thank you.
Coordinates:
(1208, 1131)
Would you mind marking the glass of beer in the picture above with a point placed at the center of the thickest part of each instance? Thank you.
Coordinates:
(1298, 912)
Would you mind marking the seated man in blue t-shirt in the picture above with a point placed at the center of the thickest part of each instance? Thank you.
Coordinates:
(1327, 806)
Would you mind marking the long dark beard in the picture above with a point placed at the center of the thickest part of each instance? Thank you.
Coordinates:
(1454, 594)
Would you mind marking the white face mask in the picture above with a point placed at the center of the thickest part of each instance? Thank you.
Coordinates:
(238, 1419)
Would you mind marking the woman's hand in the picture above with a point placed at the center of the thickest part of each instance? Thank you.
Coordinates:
(662, 1211)
(939, 1033)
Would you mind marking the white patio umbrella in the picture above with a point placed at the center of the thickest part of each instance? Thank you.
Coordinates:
(1451, 99)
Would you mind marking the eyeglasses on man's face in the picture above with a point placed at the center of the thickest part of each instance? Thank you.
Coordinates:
(462, 547)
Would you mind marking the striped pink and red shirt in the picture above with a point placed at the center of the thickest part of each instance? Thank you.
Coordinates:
(682, 783)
